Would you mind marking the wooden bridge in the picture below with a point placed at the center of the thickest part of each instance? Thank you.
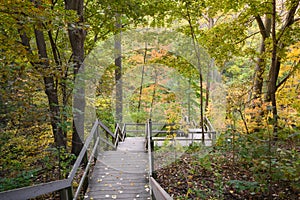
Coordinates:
(123, 165)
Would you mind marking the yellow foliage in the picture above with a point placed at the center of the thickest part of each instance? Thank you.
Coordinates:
(294, 54)
(288, 101)
(136, 59)
(23, 151)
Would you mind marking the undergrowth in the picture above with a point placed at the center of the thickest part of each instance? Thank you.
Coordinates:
(244, 167)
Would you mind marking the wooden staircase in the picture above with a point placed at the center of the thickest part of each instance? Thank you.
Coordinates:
(121, 174)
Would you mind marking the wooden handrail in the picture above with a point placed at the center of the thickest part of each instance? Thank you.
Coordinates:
(137, 124)
(106, 129)
(155, 189)
(210, 126)
(83, 151)
(117, 136)
(86, 169)
(158, 191)
(123, 132)
(45, 188)
(36, 190)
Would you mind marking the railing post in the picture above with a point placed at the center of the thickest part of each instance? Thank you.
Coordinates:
(66, 194)
(96, 134)
(151, 148)
(150, 132)
(114, 139)
(70, 192)
(123, 132)
(107, 139)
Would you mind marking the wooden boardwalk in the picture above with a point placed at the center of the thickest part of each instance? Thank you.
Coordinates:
(121, 174)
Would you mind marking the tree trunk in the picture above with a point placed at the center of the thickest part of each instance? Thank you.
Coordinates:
(274, 71)
(197, 51)
(118, 70)
(51, 92)
(209, 71)
(265, 29)
(77, 37)
(142, 83)
(49, 83)
(276, 59)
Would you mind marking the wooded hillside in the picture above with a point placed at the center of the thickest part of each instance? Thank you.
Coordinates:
(235, 62)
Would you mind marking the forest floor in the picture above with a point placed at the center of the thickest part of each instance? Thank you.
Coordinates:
(218, 175)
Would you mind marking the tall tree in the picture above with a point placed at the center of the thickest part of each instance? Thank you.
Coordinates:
(43, 65)
(278, 44)
(77, 35)
(265, 30)
(275, 21)
(118, 69)
(50, 89)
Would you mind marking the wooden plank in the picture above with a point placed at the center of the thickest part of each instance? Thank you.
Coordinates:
(83, 151)
(118, 195)
(34, 191)
(132, 144)
(158, 191)
(121, 174)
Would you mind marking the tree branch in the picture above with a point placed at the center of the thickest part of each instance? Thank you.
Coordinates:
(247, 37)
(289, 19)
(287, 76)
(261, 26)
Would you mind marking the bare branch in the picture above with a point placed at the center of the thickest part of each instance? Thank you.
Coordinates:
(247, 37)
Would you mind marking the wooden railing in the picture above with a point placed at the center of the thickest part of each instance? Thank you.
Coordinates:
(210, 129)
(135, 129)
(156, 190)
(189, 135)
(65, 185)
(118, 136)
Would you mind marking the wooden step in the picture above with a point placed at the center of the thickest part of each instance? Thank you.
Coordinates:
(132, 144)
(121, 174)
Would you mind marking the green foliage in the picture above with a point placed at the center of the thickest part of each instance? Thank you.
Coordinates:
(244, 185)
(26, 178)
(268, 164)
(65, 161)
(233, 39)
(20, 151)
(140, 116)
